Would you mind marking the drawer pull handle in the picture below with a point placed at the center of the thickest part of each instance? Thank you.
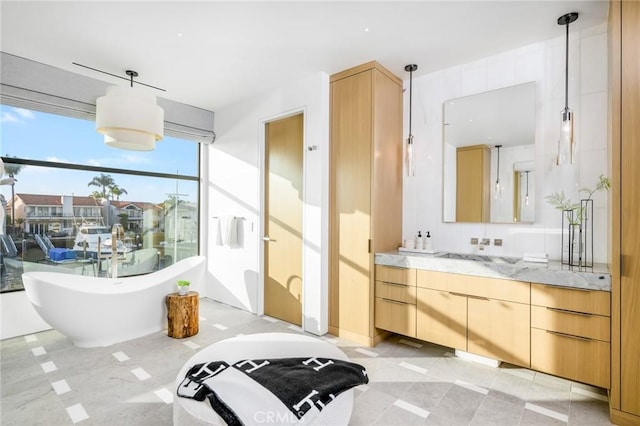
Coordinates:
(564, 311)
(395, 284)
(453, 293)
(394, 301)
(571, 336)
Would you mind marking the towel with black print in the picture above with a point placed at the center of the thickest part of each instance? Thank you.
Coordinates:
(303, 386)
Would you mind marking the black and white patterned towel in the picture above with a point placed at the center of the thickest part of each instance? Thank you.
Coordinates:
(280, 390)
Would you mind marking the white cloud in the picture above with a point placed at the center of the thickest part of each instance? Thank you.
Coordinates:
(94, 162)
(7, 117)
(16, 116)
(24, 113)
(135, 159)
(57, 159)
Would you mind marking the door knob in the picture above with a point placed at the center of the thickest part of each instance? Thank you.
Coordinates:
(268, 238)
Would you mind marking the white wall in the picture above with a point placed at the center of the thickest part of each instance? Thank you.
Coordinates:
(235, 188)
(543, 63)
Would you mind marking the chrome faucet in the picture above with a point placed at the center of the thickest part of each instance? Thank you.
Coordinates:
(117, 232)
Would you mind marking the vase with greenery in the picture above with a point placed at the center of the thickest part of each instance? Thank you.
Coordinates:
(183, 287)
(578, 217)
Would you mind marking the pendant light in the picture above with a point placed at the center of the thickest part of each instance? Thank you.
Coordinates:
(566, 144)
(410, 160)
(129, 119)
(498, 172)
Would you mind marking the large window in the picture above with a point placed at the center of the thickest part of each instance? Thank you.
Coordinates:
(71, 189)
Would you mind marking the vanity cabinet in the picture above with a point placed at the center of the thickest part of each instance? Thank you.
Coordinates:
(570, 333)
(395, 305)
(484, 316)
(473, 188)
(365, 192)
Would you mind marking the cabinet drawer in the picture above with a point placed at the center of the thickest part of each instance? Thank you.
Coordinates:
(492, 288)
(395, 316)
(570, 299)
(396, 275)
(569, 322)
(575, 358)
(398, 292)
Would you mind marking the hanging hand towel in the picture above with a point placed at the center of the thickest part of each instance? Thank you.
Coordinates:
(229, 228)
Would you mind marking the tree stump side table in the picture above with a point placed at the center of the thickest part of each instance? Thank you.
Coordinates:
(182, 313)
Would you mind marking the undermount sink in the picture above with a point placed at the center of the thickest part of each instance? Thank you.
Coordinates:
(478, 257)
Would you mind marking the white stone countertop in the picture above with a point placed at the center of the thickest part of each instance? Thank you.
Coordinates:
(552, 273)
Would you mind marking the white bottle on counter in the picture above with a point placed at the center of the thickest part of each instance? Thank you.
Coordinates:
(427, 242)
(419, 240)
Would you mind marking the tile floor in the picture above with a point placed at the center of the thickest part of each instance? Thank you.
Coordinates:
(45, 380)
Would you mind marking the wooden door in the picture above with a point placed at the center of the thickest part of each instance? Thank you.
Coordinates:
(472, 184)
(283, 219)
(630, 206)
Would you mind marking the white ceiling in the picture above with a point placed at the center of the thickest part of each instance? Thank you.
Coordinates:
(212, 54)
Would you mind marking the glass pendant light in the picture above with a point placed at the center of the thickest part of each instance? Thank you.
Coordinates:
(498, 172)
(566, 144)
(409, 154)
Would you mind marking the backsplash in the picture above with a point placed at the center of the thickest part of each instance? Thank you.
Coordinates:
(543, 63)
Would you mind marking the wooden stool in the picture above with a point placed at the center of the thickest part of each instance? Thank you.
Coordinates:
(182, 314)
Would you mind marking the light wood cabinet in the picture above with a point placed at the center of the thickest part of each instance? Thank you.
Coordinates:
(395, 306)
(570, 333)
(624, 72)
(365, 195)
(473, 186)
(499, 329)
(442, 318)
(484, 316)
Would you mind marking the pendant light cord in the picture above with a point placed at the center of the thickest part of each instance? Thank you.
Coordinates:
(410, 100)
(566, 72)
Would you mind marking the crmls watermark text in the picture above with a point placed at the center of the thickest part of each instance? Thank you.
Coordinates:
(274, 417)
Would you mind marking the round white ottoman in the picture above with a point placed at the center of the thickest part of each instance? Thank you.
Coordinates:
(265, 345)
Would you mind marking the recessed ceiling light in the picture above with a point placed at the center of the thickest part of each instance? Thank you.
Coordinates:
(366, 30)
(179, 34)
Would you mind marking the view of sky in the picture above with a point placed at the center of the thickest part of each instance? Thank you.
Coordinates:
(46, 137)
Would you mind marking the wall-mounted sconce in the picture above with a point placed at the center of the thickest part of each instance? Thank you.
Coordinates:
(129, 119)
(566, 144)
(498, 172)
(526, 196)
(409, 159)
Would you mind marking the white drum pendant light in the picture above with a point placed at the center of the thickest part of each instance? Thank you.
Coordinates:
(128, 118)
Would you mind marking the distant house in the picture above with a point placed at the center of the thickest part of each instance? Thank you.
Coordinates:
(139, 215)
(46, 214)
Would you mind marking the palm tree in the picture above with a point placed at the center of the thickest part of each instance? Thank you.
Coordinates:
(12, 170)
(116, 191)
(103, 181)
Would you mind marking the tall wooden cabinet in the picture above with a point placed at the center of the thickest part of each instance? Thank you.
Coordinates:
(365, 191)
(624, 66)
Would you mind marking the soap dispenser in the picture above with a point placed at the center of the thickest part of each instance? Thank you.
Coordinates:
(427, 242)
(419, 240)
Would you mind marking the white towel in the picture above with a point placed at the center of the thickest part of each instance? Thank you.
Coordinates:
(227, 231)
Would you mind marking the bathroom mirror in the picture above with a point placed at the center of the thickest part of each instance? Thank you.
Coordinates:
(489, 152)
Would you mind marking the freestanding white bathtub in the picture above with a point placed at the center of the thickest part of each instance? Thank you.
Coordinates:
(102, 311)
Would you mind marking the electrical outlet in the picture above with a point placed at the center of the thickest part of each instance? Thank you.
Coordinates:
(474, 241)
(497, 242)
(485, 241)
